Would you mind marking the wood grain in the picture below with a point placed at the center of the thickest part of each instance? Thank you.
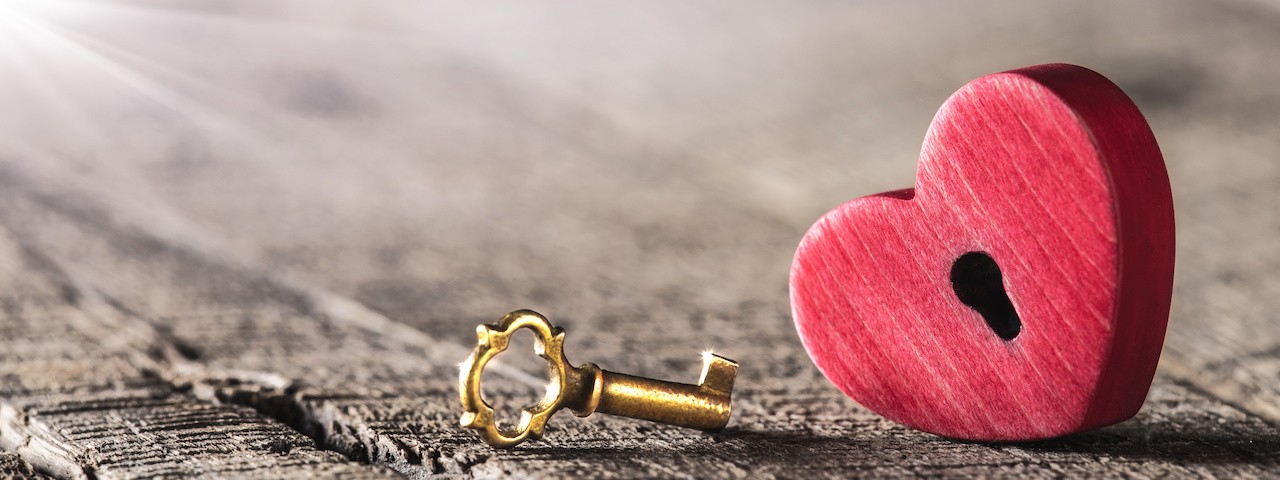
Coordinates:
(89, 391)
(311, 205)
(12, 466)
(1049, 175)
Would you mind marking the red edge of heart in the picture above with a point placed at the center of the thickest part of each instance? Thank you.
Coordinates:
(1143, 214)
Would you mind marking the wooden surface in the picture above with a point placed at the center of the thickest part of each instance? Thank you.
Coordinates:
(254, 239)
(1049, 174)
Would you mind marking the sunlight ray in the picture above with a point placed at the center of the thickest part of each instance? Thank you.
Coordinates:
(159, 73)
(141, 84)
(69, 48)
(30, 87)
(166, 14)
(43, 103)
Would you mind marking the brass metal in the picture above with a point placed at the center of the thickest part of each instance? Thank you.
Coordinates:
(588, 389)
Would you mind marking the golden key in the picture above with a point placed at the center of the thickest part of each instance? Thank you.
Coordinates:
(588, 389)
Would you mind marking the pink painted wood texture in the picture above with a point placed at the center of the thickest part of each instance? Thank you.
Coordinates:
(1051, 171)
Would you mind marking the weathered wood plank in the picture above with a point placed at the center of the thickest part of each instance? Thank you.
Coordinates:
(151, 431)
(384, 399)
(730, 158)
(319, 247)
(82, 393)
(12, 467)
(233, 332)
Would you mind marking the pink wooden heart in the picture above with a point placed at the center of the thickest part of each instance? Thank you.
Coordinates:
(1022, 289)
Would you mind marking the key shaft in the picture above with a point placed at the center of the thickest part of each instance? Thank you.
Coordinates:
(705, 406)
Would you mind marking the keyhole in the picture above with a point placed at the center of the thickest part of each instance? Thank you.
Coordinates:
(976, 279)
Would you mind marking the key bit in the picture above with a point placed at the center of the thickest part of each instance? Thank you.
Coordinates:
(588, 389)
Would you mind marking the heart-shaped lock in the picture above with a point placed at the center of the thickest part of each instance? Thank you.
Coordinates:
(1021, 290)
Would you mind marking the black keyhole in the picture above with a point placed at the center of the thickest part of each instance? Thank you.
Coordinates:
(976, 279)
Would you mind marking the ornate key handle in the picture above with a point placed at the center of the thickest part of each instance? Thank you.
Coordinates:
(588, 389)
(492, 340)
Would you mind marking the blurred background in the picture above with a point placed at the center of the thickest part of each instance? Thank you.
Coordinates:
(640, 172)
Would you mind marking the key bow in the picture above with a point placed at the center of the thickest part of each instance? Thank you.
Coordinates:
(492, 340)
